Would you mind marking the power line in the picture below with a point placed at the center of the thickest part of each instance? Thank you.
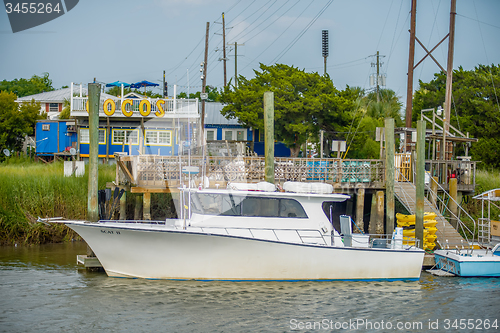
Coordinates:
(310, 3)
(281, 54)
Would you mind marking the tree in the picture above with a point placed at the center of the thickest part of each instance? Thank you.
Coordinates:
(66, 112)
(366, 116)
(25, 87)
(16, 121)
(213, 94)
(117, 91)
(475, 107)
(304, 103)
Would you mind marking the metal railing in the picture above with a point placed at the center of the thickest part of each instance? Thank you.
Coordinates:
(441, 208)
(183, 106)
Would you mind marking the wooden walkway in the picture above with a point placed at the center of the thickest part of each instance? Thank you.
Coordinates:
(446, 234)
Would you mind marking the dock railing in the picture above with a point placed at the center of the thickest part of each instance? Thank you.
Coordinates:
(152, 170)
(440, 208)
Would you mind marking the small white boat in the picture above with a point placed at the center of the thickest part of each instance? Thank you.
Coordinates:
(469, 262)
(248, 235)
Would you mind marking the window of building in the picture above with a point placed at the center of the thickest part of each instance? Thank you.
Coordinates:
(210, 135)
(54, 107)
(158, 137)
(228, 135)
(45, 127)
(240, 135)
(261, 136)
(85, 137)
(120, 136)
(234, 134)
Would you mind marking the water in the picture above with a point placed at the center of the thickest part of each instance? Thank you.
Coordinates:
(41, 290)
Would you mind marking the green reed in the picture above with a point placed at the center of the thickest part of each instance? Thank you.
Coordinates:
(30, 190)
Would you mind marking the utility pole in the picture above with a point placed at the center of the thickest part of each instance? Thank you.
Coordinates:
(236, 64)
(163, 83)
(224, 47)
(204, 81)
(377, 80)
(449, 76)
(235, 44)
(411, 60)
(378, 76)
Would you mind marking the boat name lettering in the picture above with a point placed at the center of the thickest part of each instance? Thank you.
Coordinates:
(110, 232)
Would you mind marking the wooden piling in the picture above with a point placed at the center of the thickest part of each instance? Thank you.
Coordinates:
(94, 98)
(146, 206)
(389, 174)
(138, 207)
(269, 136)
(372, 226)
(360, 207)
(379, 229)
(420, 183)
(123, 206)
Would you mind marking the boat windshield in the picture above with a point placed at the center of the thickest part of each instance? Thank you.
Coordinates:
(228, 204)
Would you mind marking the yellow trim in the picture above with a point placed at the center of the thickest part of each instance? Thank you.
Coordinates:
(160, 113)
(158, 144)
(148, 107)
(87, 106)
(105, 107)
(121, 143)
(124, 104)
(88, 155)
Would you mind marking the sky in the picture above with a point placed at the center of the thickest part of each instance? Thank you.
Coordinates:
(133, 41)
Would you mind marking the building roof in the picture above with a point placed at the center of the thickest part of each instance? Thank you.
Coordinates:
(57, 96)
(214, 117)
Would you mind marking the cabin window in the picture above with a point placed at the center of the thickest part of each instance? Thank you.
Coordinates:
(263, 207)
(333, 210)
(121, 136)
(45, 127)
(291, 208)
(233, 205)
(85, 136)
(158, 138)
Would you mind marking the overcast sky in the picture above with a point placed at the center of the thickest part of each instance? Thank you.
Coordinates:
(136, 40)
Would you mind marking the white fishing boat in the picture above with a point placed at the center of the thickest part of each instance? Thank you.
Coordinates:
(248, 235)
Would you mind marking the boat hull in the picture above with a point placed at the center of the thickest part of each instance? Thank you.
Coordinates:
(179, 254)
(467, 266)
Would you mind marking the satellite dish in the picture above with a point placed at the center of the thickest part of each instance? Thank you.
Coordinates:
(72, 151)
(6, 152)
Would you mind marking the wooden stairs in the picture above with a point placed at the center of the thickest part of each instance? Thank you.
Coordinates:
(446, 234)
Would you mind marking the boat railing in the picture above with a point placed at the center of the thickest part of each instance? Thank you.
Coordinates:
(301, 236)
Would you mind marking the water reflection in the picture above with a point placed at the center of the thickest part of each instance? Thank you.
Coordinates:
(43, 290)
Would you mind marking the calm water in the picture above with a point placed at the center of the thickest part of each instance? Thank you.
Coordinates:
(41, 290)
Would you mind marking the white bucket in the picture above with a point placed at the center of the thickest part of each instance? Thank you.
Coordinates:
(397, 238)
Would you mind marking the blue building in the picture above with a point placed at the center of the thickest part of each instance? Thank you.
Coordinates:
(55, 137)
(134, 125)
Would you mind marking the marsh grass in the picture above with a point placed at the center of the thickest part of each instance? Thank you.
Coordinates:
(29, 190)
